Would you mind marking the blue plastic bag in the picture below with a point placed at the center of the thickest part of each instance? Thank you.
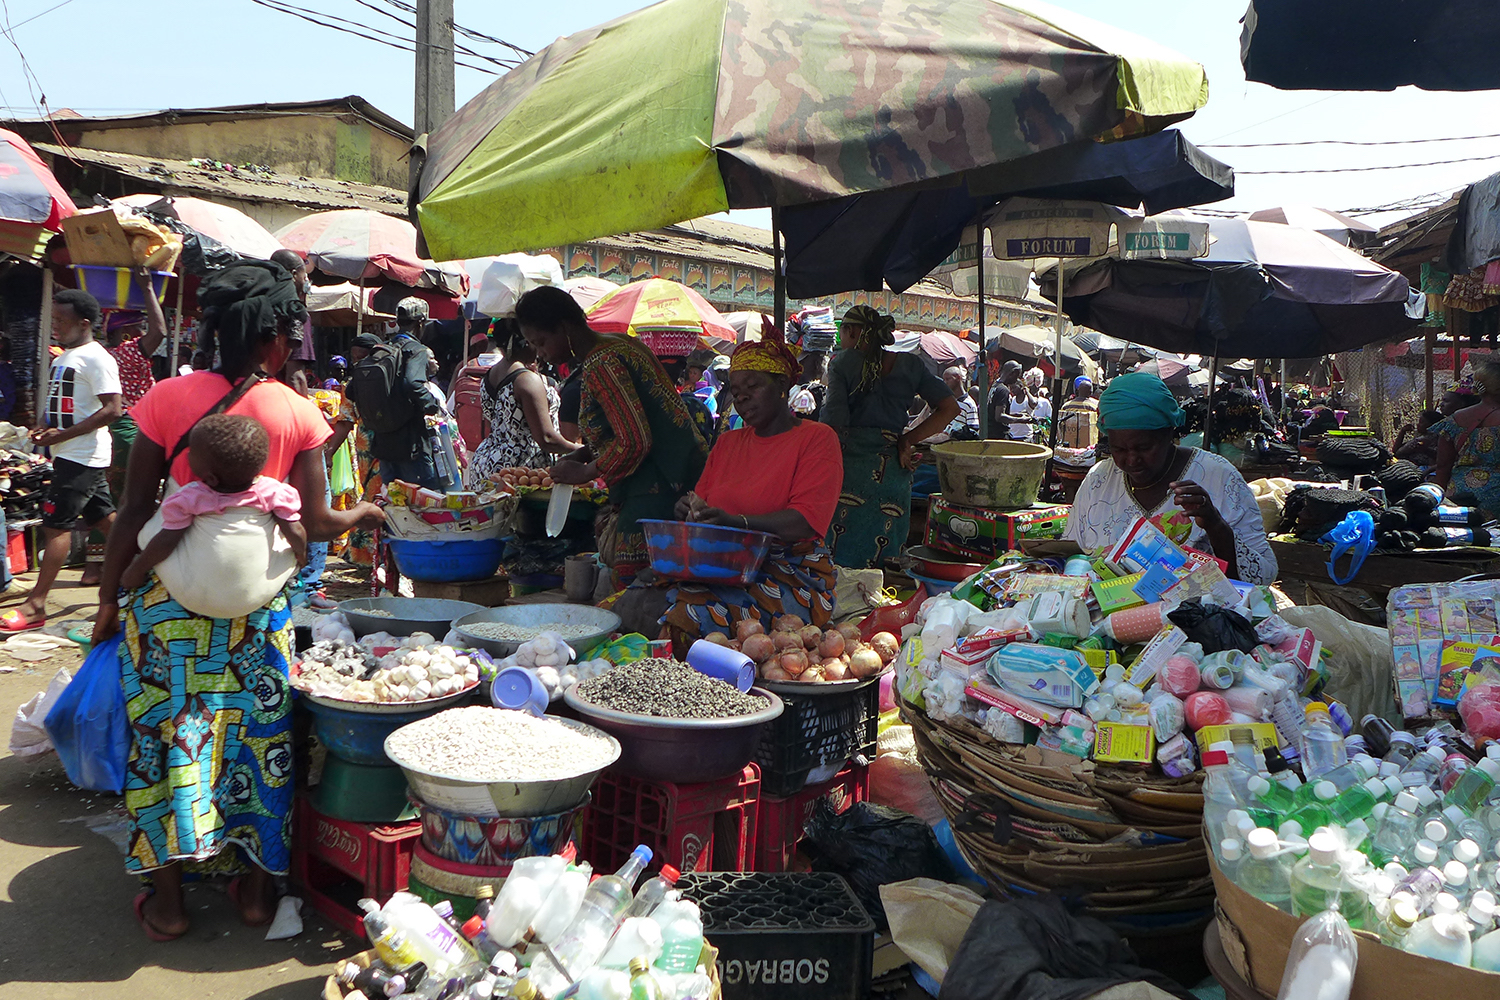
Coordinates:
(88, 724)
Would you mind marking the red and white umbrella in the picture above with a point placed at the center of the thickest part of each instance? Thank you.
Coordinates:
(32, 202)
(949, 349)
(229, 226)
(358, 244)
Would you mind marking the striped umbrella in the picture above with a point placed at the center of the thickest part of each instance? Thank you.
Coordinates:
(358, 244)
(32, 203)
(668, 316)
(690, 107)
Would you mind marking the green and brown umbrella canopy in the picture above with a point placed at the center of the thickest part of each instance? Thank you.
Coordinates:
(691, 107)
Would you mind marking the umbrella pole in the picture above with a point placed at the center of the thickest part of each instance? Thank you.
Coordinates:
(359, 308)
(1057, 375)
(172, 352)
(1428, 340)
(984, 354)
(43, 376)
(1213, 380)
(778, 283)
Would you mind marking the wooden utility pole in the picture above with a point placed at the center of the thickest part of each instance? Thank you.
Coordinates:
(433, 103)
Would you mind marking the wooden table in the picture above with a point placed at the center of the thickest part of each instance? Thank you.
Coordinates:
(1304, 575)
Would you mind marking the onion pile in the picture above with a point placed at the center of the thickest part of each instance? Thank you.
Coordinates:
(794, 651)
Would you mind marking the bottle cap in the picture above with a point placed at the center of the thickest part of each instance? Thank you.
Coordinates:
(1425, 852)
(670, 874)
(1437, 752)
(638, 966)
(1323, 848)
(1455, 816)
(1230, 848)
(1435, 830)
(443, 908)
(1369, 765)
(1445, 902)
(1258, 785)
(1395, 870)
(485, 891)
(1389, 769)
(1404, 913)
(1487, 896)
(346, 973)
(1262, 843)
(1425, 796)
(569, 852)
(1314, 709)
(1455, 873)
(1379, 809)
(1290, 830)
(524, 989)
(1381, 885)
(472, 927)
(1377, 788)
(1406, 801)
(1213, 757)
(1491, 767)
(1325, 791)
(394, 986)
(482, 990)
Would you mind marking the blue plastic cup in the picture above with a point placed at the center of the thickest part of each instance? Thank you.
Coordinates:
(519, 689)
(723, 663)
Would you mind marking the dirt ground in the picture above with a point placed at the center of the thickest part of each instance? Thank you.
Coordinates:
(66, 928)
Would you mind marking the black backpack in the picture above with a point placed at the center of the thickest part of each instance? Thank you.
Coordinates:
(377, 385)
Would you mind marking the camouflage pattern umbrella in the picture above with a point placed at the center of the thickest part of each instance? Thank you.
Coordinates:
(691, 107)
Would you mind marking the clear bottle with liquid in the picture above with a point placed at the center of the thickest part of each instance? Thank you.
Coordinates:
(390, 944)
(1474, 786)
(1270, 802)
(1403, 747)
(653, 892)
(1315, 813)
(1265, 872)
(1443, 936)
(599, 914)
(1422, 854)
(1219, 796)
(1456, 881)
(642, 986)
(1231, 851)
(1322, 743)
(1424, 767)
(1423, 885)
(1398, 924)
(1359, 801)
(1319, 883)
(682, 939)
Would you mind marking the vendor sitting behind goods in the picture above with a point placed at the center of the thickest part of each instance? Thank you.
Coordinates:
(1148, 473)
(779, 474)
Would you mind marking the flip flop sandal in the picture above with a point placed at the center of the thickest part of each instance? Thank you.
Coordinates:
(234, 896)
(140, 916)
(12, 621)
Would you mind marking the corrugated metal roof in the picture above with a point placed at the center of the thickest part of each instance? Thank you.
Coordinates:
(314, 194)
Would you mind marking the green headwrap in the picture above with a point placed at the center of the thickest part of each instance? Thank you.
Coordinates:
(1138, 401)
(879, 332)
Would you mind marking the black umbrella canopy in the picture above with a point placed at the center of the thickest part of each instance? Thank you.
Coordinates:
(1264, 291)
(896, 237)
(1372, 44)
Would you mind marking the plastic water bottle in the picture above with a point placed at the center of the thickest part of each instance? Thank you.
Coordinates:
(1403, 916)
(642, 986)
(1316, 813)
(1266, 872)
(1454, 765)
(1230, 854)
(1270, 802)
(1377, 733)
(1219, 796)
(1398, 828)
(653, 892)
(1403, 747)
(1359, 801)
(1424, 767)
(393, 947)
(682, 939)
(1481, 913)
(599, 914)
(1444, 936)
(522, 895)
(1423, 885)
(1322, 743)
(1321, 963)
(442, 947)
(1318, 883)
(1474, 786)
(1456, 881)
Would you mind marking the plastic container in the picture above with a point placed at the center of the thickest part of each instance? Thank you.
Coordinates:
(115, 287)
(520, 690)
(1000, 475)
(455, 561)
(781, 935)
(584, 942)
(684, 550)
(1322, 744)
(495, 840)
(1265, 870)
(1321, 963)
(818, 731)
(1319, 883)
(723, 663)
(685, 751)
(362, 793)
(682, 824)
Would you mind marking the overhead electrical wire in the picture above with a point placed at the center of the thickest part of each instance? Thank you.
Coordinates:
(504, 63)
(478, 36)
(400, 42)
(1347, 142)
(1356, 170)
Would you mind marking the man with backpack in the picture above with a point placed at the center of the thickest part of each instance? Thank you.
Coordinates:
(388, 387)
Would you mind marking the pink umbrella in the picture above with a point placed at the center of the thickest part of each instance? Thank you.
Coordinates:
(355, 243)
(229, 226)
(948, 349)
(32, 203)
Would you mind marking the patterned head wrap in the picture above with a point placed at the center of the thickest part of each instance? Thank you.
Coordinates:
(120, 318)
(766, 356)
(1138, 401)
(1034, 378)
(879, 332)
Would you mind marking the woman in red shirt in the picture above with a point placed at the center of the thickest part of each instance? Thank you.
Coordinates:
(779, 474)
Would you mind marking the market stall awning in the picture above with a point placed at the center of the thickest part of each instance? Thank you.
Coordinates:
(687, 108)
(659, 306)
(1030, 340)
(1475, 240)
(949, 349)
(1372, 44)
(32, 202)
(1264, 290)
(229, 226)
(354, 243)
(341, 305)
(1336, 226)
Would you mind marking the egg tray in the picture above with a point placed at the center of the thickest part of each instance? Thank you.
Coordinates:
(774, 930)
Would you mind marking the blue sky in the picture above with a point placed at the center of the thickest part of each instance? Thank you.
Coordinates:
(119, 55)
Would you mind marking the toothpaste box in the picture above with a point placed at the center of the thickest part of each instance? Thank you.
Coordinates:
(1115, 743)
(1145, 545)
(1022, 708)
(1117, 594)
(1162, 647)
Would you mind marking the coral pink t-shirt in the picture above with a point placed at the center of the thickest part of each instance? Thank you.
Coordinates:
(173, 406)
(801, 469)
(265, 494)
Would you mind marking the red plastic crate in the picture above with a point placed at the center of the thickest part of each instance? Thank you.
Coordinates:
(782, 820)
(704, 827)
(337, 862)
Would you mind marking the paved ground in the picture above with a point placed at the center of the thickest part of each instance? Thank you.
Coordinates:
(65, 920)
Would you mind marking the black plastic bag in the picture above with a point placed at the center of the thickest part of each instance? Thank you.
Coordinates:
(872, 846)
(1214, 628)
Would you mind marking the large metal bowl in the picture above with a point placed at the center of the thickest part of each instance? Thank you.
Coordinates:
(407, 615)
(505, 798)
(684, 751)
(538, 616)
(356, 731)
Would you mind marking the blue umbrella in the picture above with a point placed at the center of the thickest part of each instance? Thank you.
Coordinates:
(898, 236)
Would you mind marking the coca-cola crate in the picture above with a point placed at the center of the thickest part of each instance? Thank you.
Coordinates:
(337, 862)
(782, 821)
(780, 935)
(708, 826)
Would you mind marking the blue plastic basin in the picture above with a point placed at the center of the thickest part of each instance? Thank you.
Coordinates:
(448, 561)
(359, 737)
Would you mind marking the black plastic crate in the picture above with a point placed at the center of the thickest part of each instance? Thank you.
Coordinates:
(816, 730)
(807, 931)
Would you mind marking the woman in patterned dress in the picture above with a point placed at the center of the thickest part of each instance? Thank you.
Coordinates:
(1468, 462)
(520, 409)
(638, 435)
(210, 766)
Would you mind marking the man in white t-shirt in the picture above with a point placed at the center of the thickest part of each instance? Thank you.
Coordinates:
(83, 398)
